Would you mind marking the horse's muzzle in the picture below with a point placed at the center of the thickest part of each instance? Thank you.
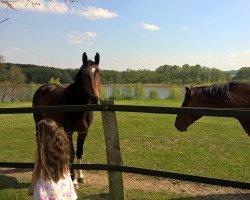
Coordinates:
(180, 127)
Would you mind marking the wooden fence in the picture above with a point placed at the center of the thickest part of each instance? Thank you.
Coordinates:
(114, 158)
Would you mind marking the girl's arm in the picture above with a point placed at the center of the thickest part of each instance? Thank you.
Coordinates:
(35, 175)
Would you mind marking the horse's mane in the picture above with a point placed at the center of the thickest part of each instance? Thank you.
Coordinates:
(78, 77)
(75, 91)
(219, 91)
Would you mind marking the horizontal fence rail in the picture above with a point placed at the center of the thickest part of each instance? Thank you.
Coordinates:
(219, 112)
(148, 172)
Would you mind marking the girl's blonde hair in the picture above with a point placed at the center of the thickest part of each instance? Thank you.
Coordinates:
(53, 149)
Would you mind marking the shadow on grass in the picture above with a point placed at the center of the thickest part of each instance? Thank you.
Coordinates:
(245, 196)
(11, 170)
(7, 182)
(103, 196)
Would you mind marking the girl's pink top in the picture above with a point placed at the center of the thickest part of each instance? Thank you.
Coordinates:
(49, 190)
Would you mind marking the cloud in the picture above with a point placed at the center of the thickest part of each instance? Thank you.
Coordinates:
(97, 13)
(76, 37)
(150, 27)
(186, 28)
(90, 34)
(241, 54)
(92, 12)
(239, 58)
(115, 58)
(200, 58)
(41, 6)
(14, 51)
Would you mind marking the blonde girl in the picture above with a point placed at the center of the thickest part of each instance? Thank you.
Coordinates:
(51, 174)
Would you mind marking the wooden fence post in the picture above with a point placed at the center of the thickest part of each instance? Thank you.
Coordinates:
(113, 152)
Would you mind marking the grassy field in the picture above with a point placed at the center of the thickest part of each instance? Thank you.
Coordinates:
(213, 147)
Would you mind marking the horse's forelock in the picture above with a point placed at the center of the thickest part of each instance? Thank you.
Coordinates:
(83, 67)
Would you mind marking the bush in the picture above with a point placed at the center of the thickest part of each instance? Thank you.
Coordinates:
(153, 94)
(116, 93)
(102, 92)
(127, 92)
(175, 92)
(139, 91)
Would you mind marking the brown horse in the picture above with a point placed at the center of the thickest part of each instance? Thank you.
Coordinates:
(84, 90)
(228, 95)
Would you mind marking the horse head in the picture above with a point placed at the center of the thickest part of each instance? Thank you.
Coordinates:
(182, 121)
(91, 77)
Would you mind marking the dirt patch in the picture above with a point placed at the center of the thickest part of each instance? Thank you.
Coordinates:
(131, 181)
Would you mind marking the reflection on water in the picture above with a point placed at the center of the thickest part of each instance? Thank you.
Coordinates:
(26, 93)
(163, 91)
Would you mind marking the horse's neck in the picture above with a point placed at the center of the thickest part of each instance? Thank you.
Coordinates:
(241, 94)
(75, 95)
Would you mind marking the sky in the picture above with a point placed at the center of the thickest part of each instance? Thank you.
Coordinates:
(128, 34)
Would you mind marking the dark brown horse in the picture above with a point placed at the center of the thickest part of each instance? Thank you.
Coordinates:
(84, 90)
(228, 95)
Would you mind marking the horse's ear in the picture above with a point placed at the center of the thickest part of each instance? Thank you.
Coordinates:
(97, 58)
(187, 89)
(84, 59)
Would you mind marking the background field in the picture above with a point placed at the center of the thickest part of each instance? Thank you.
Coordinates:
(213, 146)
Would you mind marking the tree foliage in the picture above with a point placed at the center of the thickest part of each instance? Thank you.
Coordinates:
(1, 59)
(11, 79)
(42, 74)
(54, 80)
(243, 75)
(166, 74)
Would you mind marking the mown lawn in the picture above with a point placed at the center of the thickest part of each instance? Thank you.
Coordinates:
(213, 146)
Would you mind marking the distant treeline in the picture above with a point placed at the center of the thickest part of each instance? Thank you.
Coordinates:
(166, 74)
(41, 74)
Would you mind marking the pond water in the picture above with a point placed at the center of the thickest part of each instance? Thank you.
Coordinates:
(163, 91)
(26, 93)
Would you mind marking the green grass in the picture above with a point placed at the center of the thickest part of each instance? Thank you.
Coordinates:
(212, 147)
(87, 193)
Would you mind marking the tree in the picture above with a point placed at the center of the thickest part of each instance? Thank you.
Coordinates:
(2, 68)
(11, 82)
(29, 91)
(12, 4)
(185, 74)
(195, 72)
(217, 76)
(243, 74)
(1, 59)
